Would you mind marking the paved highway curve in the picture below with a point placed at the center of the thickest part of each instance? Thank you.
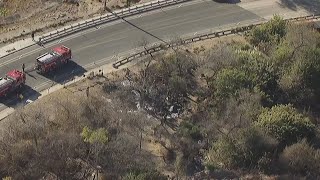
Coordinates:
(110, 39)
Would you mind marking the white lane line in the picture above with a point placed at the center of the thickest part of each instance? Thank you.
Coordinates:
(96, 44)
(48, 82)
(39, 49)
(92, 29)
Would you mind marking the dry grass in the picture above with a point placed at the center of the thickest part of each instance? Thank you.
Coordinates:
(23, 16)
(75, 95)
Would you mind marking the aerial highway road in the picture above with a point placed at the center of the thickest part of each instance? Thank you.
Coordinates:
(106, 41)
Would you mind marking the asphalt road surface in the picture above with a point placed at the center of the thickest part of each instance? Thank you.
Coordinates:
(101, 43)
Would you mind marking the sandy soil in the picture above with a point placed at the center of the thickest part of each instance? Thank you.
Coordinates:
(21, 17)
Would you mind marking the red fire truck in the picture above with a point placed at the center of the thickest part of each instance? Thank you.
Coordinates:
(52, 60)
(13, 81)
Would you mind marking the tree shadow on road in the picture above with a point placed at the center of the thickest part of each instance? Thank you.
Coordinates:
(137, 27)
(228, 1)
(312, 6)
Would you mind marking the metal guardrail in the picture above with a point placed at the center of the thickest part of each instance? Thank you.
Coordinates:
(108, 18)
(202, 37)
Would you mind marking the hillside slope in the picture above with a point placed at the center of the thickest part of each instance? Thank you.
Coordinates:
(18, 16)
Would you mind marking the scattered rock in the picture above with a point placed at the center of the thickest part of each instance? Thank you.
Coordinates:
(62, 15)
(10, 50)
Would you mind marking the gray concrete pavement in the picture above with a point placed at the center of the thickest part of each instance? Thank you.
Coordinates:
(111, 39)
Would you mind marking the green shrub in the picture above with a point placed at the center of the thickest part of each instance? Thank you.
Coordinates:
(95, 136)
(300, 78)
(262, 74)
(188, 129)
(252, 145)
(223, 154)
(3, 11)
(272, 31)
(244, 150)
(301, 158)
(229, 82)
(7, 178)
(285, 124)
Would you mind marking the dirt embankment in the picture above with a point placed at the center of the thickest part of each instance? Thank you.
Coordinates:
(18, 18)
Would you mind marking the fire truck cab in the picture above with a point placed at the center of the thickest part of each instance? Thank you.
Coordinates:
(52, 60)
(14, 80)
